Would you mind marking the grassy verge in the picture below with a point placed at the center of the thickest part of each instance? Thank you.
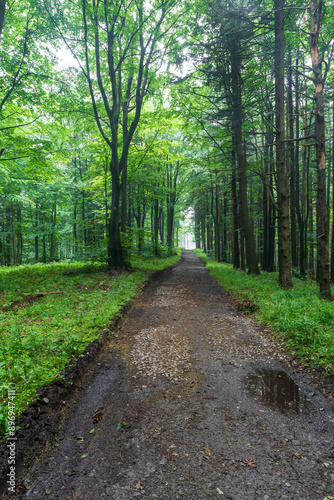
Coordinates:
(303, 320)
(49, 313)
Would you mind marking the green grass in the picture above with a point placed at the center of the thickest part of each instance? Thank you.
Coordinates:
(40, 334)
(303, 320)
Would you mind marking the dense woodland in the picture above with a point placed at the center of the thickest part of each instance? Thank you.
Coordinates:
(119, 118)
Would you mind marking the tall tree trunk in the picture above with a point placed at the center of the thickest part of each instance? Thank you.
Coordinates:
(14, 236)
(224, 255)
(235, 226)
(284, 264)
(197, 228)
(294, 260)
(83, 209)
(44, 235)
(300, 207)
(203, 228)
(75, 234)
(115, 249)
(319, 132)
(53, 235)
(266, 203)
(124, 207)
(2, 230)
(208, 227)
(242, 251)
(156, 224)
(20, 234)
(215, 211)
(130, 205)
(332, 245)
(311, 231)
(106, 209)
(247, 225)
(36, 235)
(161, 225)
(8, 226)
(272, 210)
(172, 176)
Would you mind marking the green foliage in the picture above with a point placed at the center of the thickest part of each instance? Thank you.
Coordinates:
(40, 333)
(303, 320)
(160, 252)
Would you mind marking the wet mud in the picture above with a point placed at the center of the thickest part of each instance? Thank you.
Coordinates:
(189, 400)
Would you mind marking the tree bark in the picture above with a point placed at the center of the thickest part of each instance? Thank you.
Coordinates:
(332, 245)
(197, 228)
(172, 176)
(36, 235)
(224, 245)
(300, 209)
(53, 236)
(246, 223)
(291, 159)
(235, 228)
(215, 212)
(203, 228)
(284, 264)
(156, 224)
(115, 249)
(319, 132)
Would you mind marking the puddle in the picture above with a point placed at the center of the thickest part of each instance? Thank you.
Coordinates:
(278, 390)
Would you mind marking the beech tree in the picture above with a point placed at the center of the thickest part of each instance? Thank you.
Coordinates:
(119, 52)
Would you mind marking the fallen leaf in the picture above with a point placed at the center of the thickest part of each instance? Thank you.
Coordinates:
(207, 451)
(139, 486)
(250, 463)
(97, 415)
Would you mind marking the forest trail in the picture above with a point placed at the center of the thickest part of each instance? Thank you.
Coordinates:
(175, 404)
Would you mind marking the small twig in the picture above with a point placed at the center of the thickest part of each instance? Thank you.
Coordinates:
(41, 294)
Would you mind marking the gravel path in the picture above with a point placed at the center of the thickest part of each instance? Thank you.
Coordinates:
(190, 400)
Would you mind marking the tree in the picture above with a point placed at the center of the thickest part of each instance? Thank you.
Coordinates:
(119, 58)
(319, 133)
(247, 225)
(284, 263)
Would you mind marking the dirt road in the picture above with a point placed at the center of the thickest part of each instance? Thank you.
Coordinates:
(190, 400)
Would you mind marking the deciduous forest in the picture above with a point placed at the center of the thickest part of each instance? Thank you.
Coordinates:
(127, 125)
(118, 118)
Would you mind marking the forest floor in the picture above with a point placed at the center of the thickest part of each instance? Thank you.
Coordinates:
(189, 399)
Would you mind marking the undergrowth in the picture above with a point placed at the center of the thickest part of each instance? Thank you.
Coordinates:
(303, 320)
(49, 313)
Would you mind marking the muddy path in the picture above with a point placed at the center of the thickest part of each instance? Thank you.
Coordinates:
(189, 400)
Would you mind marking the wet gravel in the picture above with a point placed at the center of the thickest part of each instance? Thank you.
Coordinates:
(185, 402)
